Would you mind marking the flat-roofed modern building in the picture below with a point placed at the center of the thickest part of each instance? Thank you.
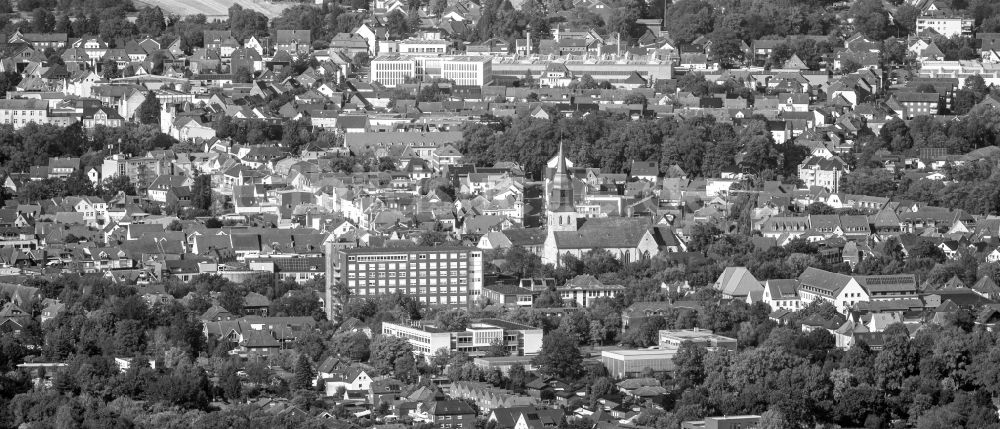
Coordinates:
(520, 340)
(392, 70)
(503, 363)
(947, 26)
(673, 338)
(627, 363)
(466, 70)
(724, 422)
(612, 69)
(448, 275)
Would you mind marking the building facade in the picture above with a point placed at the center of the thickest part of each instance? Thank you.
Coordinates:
(448, 276)
(392, 70)
(20, 112)
(945, 26)
(520, 340)
(625, 363)
(822, 172)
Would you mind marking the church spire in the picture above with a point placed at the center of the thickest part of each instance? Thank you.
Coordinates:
(561, 160)
(562, 184)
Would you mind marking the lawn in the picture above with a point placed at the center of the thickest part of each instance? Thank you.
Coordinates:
(213, 9)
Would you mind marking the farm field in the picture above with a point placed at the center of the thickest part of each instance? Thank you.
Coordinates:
(213, 9)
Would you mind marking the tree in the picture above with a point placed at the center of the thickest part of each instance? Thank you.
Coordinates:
(560, 356)
(385, 349)
(229, 381)
(150, 21)
(296, 303)
(304, 374)
(396, 25)
(245, 23)
(517, 375)
(405, 368)
(726, 47)
(906, 17)
(896, 134)
(130, 338)
(201, 192)
(819, 208)
(635, 98)
(497, 348)
(773, 419)
(242, 75)
(109, 69)
(149, 111)
(871, 19)
(548, 298)
(687, 20)
(355, 346)
(42, 21)
(8, 81)
(690, 364)
(453, 320)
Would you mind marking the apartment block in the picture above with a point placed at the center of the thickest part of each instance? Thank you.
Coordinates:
(946, 26)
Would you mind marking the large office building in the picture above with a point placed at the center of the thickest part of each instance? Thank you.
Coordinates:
(447, 275)
(394, 69)
(520, 340)
(612, 69)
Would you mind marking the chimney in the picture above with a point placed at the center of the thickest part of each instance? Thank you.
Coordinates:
(527, 48)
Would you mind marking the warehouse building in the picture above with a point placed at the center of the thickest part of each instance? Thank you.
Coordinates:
(629, 363)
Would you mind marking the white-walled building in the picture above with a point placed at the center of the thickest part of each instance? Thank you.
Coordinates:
(842, 290)
(20, 112)
(520, 340)
(393, 70)
(782, 294)
(822, 172)
(423, 47)
(945, 26)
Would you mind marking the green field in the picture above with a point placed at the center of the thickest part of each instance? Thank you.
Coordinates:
(213, 8)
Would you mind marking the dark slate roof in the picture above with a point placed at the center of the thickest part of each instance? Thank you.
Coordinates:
(610, 232)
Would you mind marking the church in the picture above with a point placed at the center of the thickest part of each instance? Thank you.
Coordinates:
(628, 238)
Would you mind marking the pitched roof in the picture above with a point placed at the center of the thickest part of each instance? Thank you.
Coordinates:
(609, 232)
(737, 282)
(829, 283)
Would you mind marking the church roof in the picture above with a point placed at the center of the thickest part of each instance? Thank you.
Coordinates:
(605, 233)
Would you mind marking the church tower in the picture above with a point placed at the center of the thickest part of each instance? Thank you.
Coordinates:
(560, 212)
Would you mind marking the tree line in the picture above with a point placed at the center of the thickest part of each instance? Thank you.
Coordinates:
(701, 146)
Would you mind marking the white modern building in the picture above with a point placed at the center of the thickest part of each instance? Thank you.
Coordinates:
(945, 26)
(628, 363)
(393, 70)
(478, 336)
(423, 47)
